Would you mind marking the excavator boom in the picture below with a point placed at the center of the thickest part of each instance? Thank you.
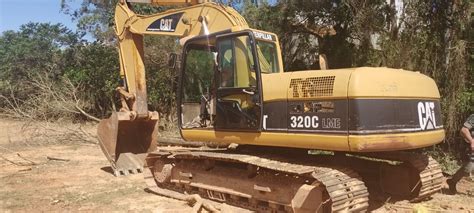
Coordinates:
(129, 134)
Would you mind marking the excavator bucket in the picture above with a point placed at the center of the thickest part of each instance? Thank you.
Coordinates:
(126, 142)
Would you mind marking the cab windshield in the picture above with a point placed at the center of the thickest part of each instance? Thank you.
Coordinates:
(267, 57)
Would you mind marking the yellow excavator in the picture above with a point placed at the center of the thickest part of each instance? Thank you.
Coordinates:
(306, 141)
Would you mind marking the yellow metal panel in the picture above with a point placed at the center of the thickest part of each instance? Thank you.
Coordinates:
(275, 86)
(352, 143)
(392, 142)
(280, 139)
(389, 83)
(372, 82)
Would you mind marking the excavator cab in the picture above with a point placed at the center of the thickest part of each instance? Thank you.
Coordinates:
(220, 83)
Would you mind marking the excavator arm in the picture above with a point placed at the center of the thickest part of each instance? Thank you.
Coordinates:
(184, 22)
(128, 135)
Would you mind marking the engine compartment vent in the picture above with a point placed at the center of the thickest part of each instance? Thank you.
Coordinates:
(312, 87)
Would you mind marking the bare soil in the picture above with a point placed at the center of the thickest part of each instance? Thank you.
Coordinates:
(77, 177)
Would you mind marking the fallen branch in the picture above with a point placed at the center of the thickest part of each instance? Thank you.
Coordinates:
(193, 200)
(50, 99)
(12, 162)
(165, 141)
(25, 159)
(25, 170)
(198, 203)
(57, 159)
(30, 163)
(87, 114)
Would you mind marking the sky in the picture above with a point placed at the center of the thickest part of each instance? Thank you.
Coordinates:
(14, 13)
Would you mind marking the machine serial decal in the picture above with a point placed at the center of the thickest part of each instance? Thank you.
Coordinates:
(313, 122)
(165, 24)
(304, 122)
(426, 115)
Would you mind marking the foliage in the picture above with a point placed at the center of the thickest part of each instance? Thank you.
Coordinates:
(161, 81)
(34, 48)
(199, 71)
(94, 17)
(41, 56)
(95, 68)
(447, 160)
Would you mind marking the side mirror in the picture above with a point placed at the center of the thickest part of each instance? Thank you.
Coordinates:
(172, 59)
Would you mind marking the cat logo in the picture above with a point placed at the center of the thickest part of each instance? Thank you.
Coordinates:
(165, 24)
(426, 115)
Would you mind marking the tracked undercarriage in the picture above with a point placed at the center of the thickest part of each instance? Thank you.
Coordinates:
(291, 182)
(400, 175)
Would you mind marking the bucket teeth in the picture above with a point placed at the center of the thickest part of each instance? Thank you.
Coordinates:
(125, 172)
(129, 163)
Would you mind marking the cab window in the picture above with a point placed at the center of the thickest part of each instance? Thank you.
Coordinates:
(267, 57)
(199, 69)
(236, 67)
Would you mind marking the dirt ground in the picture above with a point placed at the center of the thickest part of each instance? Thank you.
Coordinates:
(76, 177)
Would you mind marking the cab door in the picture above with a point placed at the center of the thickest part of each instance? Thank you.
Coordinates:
(239, 95)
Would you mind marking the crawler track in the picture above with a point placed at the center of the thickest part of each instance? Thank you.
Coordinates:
(415, 177)
(262, 183)
(431, 178)
(427, 174)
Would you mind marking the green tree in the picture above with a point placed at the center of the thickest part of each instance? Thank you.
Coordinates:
(340, 29)
(94, 68)
(161, 81)
(35, 48)
(94, 17)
